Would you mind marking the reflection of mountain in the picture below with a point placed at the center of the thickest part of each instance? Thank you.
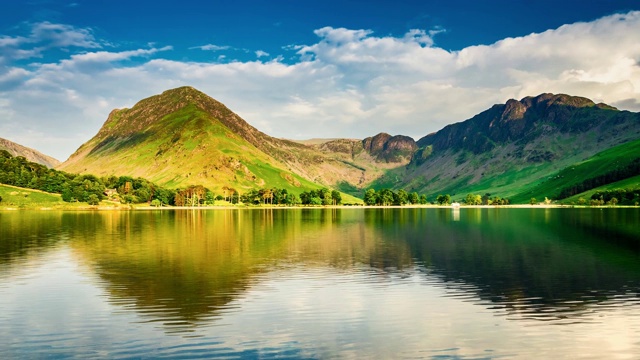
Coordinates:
(536, 262)
(25, 234)
(181, 267)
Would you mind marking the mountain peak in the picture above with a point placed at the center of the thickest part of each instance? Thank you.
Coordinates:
(28, 153)
(548, 100)
(183, 91)
(546, 103)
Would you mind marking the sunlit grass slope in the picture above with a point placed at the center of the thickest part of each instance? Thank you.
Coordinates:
(19, 197)
(174, 141)
(610, 164)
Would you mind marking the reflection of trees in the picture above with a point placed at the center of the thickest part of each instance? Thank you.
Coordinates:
(524, 259)
(27, 233)
(184, 266)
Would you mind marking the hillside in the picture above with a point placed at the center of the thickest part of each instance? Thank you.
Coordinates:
(179, 138)
(16, 197)
(184, 137)
(510, 148)
(613, 165)
(28, 153)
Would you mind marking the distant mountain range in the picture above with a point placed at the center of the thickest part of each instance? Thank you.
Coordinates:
(184, 137)
(28, 153)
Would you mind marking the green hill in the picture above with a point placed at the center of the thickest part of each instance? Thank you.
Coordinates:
(15, 197)
(180, 138)
(510, 149)
(607, 167)
(629, 183)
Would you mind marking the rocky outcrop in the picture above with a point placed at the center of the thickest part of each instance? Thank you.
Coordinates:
(521, 121)
(391, 149)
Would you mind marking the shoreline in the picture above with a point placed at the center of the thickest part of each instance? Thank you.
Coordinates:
(122, 207)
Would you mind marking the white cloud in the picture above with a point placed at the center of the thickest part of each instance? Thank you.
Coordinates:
(350, 83)
(211, 47)
(61, 35)
(45, 36)
(261, 53)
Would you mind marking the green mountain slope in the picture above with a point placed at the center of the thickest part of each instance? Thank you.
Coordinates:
(179, 138)
(629, 183)
(509, 149)
(28, 153)
(612, 165)
(184, 137)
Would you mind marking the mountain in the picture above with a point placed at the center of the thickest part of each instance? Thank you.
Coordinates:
(184, 137)
(511, 147)
(28, 153)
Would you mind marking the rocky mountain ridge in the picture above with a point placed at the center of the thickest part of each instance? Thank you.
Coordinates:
(28, 153)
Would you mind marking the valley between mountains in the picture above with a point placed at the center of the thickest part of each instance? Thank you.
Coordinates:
(519, 150)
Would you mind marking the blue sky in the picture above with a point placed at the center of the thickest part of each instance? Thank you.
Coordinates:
(301, 69)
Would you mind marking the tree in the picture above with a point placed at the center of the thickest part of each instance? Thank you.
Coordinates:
(93, 199)
(443, 199)
(209, 198)
(414, 198)
(401, 197)
(325, 195)
(533, 201)
(292, 199)
(370, 197)
(336, 197)
(423, 199)
(385, 197)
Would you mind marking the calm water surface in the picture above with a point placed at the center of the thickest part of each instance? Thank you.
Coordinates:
(321, 283)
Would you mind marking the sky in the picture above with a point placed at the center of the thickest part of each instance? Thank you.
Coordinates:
(307, 69)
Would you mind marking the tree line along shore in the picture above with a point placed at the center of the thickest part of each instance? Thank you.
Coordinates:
(110, 191)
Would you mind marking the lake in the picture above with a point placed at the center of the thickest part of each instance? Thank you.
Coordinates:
(356, 283)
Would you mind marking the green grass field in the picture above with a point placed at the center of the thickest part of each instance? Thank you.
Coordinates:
(13, 197)
(630, 183)
(615, 158)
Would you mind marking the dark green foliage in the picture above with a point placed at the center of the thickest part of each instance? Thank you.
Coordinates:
(486, 199)
(93, 199)
(617, 196)
(443, 199)
(18, 171)
(613, 175)
(322, 196)
(414, 198)
(387, 197)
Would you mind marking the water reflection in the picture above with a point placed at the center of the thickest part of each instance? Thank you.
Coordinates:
(184, 269)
